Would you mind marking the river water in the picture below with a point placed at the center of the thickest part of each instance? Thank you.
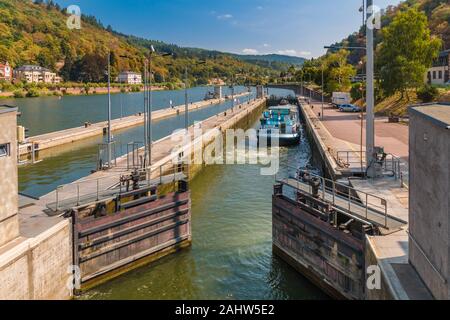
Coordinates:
(231, 255)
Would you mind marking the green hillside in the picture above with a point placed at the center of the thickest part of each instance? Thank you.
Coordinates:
(36, 33)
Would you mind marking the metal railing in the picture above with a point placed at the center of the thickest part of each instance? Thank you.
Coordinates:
(98, 189)
(353, 201)
(354, 159)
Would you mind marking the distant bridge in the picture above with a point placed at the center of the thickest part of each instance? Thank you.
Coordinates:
(297, 88)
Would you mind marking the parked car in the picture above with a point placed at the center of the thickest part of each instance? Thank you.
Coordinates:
(349, 108)
(340, 98)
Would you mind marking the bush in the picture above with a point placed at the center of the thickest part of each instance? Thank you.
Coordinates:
(427, 93)
(135, 88)
(33, 93)
(357, 91)
(19, 94)
(6, 86)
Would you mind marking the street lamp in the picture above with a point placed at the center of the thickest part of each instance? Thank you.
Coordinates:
(109, 139)
(148, 103)
(323, 88)
(370, 99)
(186, 97)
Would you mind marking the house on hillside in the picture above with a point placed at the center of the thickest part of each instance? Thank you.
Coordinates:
(130, 77)
(5, 72)
(35, 74)
(216, 82)
(439, 73)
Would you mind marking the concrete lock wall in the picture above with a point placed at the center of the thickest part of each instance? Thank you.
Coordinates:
(38, 268)
(9, 222)
(429, 203)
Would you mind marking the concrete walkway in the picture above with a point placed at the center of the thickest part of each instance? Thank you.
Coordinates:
(53, 139)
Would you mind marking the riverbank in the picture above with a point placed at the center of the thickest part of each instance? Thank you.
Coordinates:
(36, 92)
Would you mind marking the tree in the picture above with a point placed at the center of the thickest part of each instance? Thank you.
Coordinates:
(406, 52)
(337, 71)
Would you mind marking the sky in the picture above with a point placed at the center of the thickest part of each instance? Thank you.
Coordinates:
(291, 27)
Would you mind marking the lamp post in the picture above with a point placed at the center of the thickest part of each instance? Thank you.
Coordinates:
(109, 141)
(370, 99)
(186, 101)
(323, 87)
(148, 97)
(309, 89)
(186, 96)
(146, 153)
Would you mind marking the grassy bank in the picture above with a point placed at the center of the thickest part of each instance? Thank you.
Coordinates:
(21, 90)
(397, 105)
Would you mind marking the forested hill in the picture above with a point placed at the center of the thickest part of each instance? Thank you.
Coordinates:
(35, 32)
(437, 11)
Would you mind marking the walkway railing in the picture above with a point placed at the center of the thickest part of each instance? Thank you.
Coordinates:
(355, 202)
(354, 159)
(107, 187)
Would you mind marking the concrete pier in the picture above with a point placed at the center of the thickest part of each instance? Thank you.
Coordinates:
(67, 136)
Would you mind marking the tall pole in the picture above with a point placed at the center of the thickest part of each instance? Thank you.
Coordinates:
(186, 102)
(323, 86)
(150, 110)
(232, 93)
(309, 89)
(370, 101)
(109, 109)
(145, 113)
(303, 93)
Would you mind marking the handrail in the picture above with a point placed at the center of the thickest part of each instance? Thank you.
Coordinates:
(349, 157)
(362, 198)
(100, 188)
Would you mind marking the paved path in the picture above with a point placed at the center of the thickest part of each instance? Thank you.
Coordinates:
(347, 126)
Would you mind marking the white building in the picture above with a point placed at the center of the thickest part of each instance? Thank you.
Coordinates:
(130, 77)
(439, 73)
(35, 74)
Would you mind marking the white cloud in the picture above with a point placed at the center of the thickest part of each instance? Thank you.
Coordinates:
(292, 52)
(250, 51)
(287, 52)
(225, 16)
(304, 53)
(266, 45)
